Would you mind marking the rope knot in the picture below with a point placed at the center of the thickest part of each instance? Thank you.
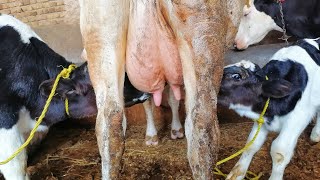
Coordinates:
(65, 73)
(260, 120)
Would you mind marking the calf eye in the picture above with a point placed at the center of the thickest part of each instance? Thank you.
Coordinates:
(236, 76)
(71, 92)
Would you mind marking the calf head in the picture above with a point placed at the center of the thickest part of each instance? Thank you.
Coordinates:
(245, 84)
(256, 22)
(77, 89)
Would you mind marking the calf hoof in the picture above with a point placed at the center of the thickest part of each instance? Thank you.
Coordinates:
(177, 134)
(237, 173)
(315, 137)
(152, 140)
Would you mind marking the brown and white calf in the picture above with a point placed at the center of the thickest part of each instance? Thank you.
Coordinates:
(293, 89)
(157, 42)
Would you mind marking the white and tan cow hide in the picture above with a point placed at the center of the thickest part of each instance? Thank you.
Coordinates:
(157, 40)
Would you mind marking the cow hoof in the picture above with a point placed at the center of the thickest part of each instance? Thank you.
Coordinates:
(237, 173)
(315, 137)
(177, 134)
(152, 140)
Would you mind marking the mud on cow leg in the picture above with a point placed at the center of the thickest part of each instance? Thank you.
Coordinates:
(110, 141)
(200, 30)
(104, 26)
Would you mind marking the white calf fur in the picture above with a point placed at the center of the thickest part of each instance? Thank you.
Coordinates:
(13, 138)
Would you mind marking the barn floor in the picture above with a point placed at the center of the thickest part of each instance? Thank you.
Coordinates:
(71, 153)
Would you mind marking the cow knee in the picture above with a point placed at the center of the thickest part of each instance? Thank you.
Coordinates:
(280, 153)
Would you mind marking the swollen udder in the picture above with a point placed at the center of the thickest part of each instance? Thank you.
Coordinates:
(152, 56)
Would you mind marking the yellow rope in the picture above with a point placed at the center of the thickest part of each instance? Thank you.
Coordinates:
(260, 121)
(66, 104)
(65, 73)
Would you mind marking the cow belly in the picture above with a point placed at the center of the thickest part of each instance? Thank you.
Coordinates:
(152, 57)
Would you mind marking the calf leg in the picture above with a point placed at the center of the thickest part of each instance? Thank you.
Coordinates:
(151, 132)
(200, 34)
(176, 127)
(283, 146)
(104, 26)
(315, 134)
(239, 170)
(11, 140)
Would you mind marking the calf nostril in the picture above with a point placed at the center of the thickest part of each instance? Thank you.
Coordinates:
(235, 44)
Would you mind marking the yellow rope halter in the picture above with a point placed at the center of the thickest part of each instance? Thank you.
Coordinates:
(260, 121)
(65, 73)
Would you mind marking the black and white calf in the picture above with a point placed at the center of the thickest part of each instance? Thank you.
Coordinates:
(293, 88)
(28, 68)
(302, 19)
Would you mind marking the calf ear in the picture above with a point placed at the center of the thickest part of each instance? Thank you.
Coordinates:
(47, 85)
(276, 88)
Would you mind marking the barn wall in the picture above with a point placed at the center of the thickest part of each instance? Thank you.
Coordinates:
(42, 12)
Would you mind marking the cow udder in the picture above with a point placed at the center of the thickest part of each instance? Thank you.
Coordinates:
(152, 57)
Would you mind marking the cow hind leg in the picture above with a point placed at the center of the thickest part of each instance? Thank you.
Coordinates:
(200, 38)
(176, 127)
(151, 131)
(104, 27)
(11, 140)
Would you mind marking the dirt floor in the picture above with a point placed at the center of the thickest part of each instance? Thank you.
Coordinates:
(71, 152)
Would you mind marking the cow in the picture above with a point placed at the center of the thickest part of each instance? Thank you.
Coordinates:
(302, 20)
(292, 85)
(156, 42)
(28, 68)
(133, 96)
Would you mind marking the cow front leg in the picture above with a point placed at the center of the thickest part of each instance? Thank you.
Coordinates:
(151, 131)
(104, 27)
(200, 33)
(176, 127)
